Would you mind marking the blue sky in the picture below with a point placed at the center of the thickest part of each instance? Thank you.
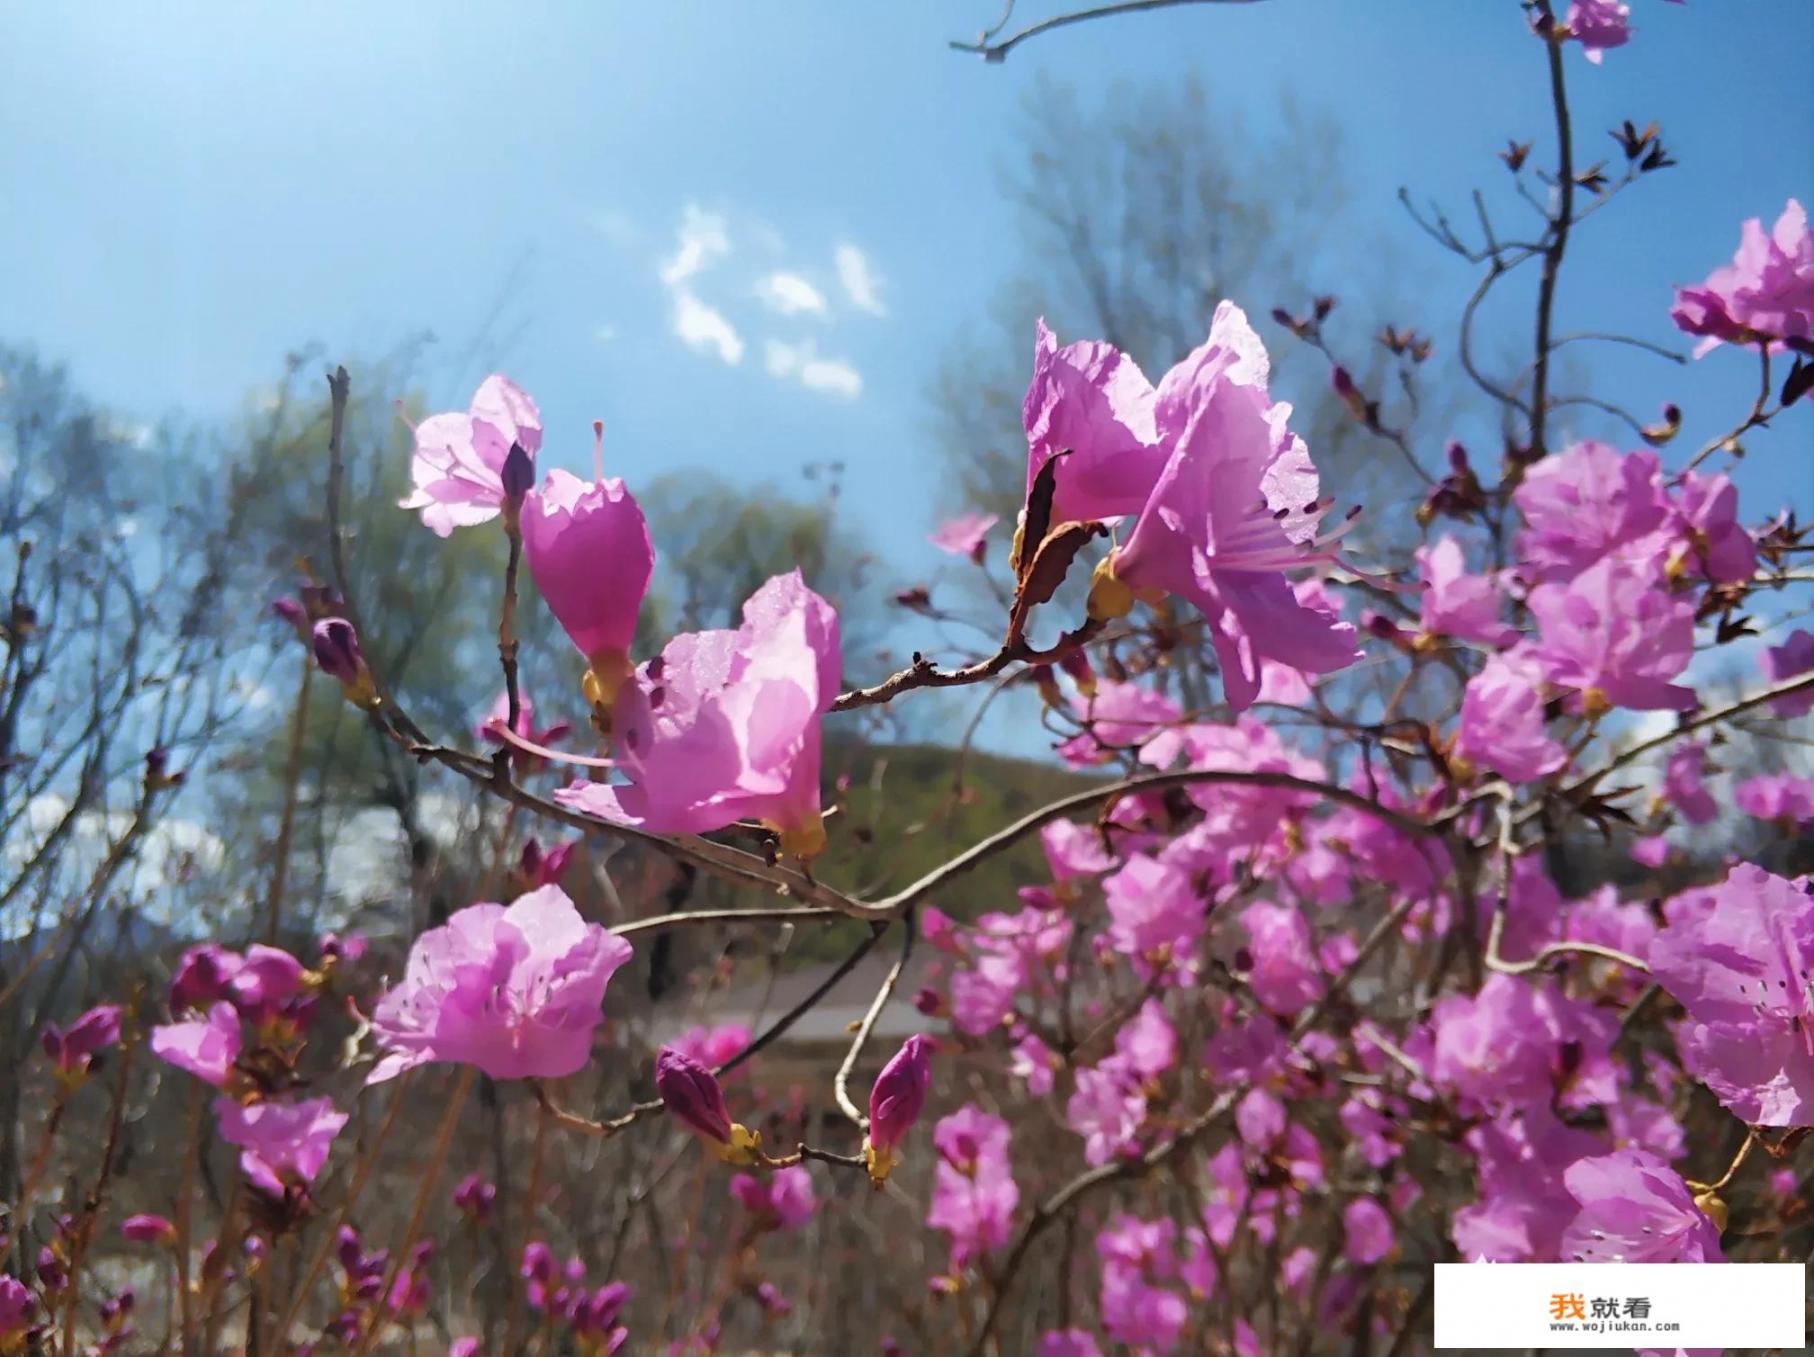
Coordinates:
(195, 189)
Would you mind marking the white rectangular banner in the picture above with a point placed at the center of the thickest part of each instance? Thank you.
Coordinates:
(1621, 1305)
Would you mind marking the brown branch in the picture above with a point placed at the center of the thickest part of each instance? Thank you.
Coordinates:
(925, 673)
(1556, 243)
(841, 1083)
(998, 51)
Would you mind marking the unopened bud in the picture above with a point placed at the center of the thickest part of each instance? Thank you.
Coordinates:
(337, 652)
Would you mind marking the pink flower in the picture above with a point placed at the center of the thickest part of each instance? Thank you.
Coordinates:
(1635, 1209)
(1738, 957)
(202, 976)
(1708, 542)
(1523, 1207)
(1456, 603)
(1505, 1045)
(1147, 1045)
(1599, 25)
(1090, 403)
(73, 1049)
(1284, 974)
(1107, 1109)
(965, 535)
(588, 548)
(264, 981)
(1776, 796)
(1155, 913)
(1235, 506)
(205, 1047)
(280, 1142)
(1793, 658)
(895, 1102)
(17, 1306)
(724, 725)
(1119, 716)
(1136, 1256)
(514, 991)
(1073, 850)
(1584, 503)
(713, 1046)
(1682, 787)
(973, 1192)
(1067, 1343)
(1615, 637)
(474, 1198)
(782, 1201)
(458, 466)
(1368, 1231)
(1502, 726)
(1766, 294)
(1036, 1063)
(145, 1229)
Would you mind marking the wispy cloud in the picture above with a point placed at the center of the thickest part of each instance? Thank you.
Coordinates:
(801, 363)
(704, 329)
(790, 295)
(862, 285)
(704, 240)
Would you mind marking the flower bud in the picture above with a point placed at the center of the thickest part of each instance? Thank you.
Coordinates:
(518, 477)
(691, 1094)
(1109, 597)
(895, 1102)
(148, 1229)
(337, 652)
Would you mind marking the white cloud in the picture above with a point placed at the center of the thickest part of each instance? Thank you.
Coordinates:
(704, 240)
(790, 294)
(799, 362)
(704, 329)
(604, 334)
(862, 285)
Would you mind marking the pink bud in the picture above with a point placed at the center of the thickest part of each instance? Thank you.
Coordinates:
(148, 1230)
(899, 1093)
(588, 548)
(691, 1094)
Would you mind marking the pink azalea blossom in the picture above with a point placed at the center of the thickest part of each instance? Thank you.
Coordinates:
(514, 991)
(1147, 1045)
(1074, 850)
(1118, 716)
(1599, 25)
(1502, 725)
(1766, 294)
(1682, 786)
(713, 1046)
(205, 1047)
(724, 725)
(1067, 1343)
(782, 1200)
(1136, 1310)
(965, 535)
(1107, 1109)
(1635, 1209)
(280, 1142)
(1036, 1063)
(1367, 1230)
(1235, 506)
(587, 546)
(1155, 913)
(973, 1191)
(1457, 603)
(1793, 658)
(1584, 503)
(1780, 797)
(1706, 539)
(1284, 974)
(1090, 405)
(458, 465)
(1738, 957)
(73, 1049)
(1524, 1207)
(1616, 638)
(1506, 1044)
